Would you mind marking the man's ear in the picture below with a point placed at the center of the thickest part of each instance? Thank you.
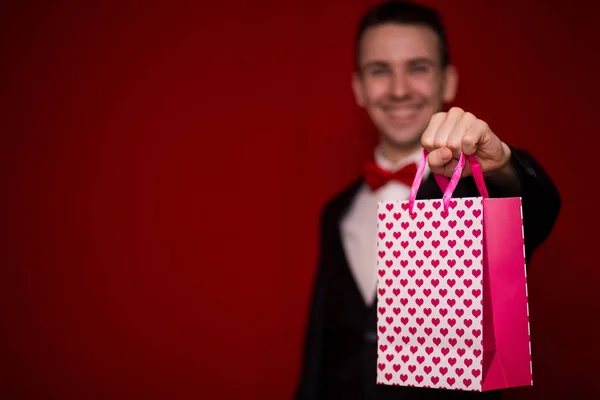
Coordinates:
(358, 90)
(450, 84)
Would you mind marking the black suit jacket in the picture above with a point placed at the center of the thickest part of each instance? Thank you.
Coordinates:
(340, 353)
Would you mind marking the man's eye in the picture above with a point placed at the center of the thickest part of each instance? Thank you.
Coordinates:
(420, 68)
(379, 71)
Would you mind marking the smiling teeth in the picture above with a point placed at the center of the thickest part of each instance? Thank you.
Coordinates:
(401, 113)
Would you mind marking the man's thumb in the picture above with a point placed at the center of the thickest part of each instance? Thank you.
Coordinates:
(439, 157)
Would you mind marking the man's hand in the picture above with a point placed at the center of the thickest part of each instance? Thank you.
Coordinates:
(456, 131)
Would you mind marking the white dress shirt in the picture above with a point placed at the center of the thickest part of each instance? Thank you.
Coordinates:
(359, 225)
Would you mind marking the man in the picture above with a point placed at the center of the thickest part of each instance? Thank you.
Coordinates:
(403, 78)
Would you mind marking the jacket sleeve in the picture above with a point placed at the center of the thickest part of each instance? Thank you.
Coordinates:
(540, 199)
(309, 383)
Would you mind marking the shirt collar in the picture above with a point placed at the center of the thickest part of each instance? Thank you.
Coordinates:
(391, 166)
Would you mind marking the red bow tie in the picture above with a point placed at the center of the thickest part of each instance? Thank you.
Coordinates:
(377, 177)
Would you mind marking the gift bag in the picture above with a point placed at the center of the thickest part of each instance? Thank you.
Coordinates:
(452, 295)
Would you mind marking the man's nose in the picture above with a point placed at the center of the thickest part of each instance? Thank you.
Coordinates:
(399, 85)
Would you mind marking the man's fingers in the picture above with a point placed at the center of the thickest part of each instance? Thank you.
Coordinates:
(447, 127)
(463, 138)
(427, 140)
(442, 162)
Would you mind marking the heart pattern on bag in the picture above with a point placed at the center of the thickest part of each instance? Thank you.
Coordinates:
(429, 294)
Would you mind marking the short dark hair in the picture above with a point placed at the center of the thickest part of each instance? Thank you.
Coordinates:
(406, 13)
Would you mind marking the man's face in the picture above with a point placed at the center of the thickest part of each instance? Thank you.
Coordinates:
(400, 81)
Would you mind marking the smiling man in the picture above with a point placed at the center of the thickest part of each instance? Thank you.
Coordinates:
(403, 79)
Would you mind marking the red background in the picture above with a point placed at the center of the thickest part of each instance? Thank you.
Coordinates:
(163, 166)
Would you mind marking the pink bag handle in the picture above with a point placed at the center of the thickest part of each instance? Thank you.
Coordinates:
(448, 186)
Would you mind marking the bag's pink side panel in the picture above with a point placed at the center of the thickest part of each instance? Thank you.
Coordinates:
(504, 251)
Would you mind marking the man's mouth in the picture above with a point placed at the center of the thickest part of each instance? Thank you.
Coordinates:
(401, 114)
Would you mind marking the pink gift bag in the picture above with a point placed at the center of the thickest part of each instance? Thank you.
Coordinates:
(452, 291)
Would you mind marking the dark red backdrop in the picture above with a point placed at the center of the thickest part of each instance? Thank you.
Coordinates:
(163, 166)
